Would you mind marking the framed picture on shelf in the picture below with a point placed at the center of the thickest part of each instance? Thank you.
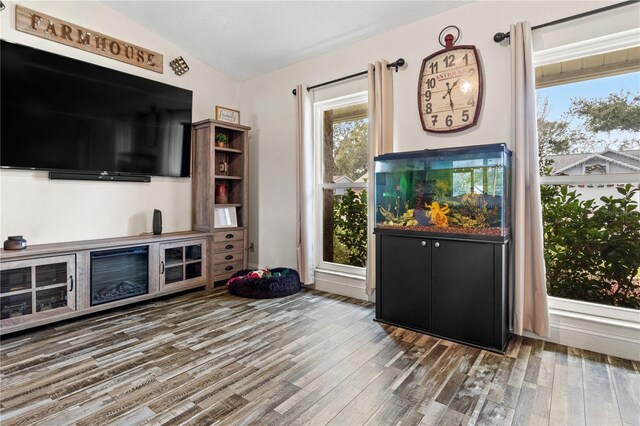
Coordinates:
(227, 114)
(225, 217)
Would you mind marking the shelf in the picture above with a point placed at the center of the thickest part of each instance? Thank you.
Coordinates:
(16, 292)
(226, 166)
(233, 150)
(57, 285)
(228, 177)
(228, 205)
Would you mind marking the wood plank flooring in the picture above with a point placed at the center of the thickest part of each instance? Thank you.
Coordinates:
(308, 359)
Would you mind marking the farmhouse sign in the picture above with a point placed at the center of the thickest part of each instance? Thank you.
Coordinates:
(45, 26)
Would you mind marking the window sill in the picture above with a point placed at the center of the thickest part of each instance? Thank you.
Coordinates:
(606, 329)
(342, 283)
(594, 311)
(361, 277)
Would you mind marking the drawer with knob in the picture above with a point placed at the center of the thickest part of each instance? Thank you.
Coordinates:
(226, 269)
(228, 256)
(227, 246)
(220, 236)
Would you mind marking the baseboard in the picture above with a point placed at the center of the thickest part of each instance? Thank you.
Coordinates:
(598, 334)
(342, 284)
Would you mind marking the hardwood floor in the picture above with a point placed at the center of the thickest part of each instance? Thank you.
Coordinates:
(313, 358)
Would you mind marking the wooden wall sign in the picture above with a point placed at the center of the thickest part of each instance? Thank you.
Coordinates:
(54, 29)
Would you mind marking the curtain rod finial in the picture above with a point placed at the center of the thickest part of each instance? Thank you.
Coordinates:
(294, 91)
(500, 37)
(398, 63)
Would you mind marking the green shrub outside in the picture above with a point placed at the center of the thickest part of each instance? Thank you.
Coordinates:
(592, 251)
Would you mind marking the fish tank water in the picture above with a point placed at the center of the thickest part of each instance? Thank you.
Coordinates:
(464, 191)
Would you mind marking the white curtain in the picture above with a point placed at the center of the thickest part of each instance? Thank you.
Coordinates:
(530, 310)
(304, 171)
(380, 142)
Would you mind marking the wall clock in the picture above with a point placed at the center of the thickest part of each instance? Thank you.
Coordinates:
(450, 88)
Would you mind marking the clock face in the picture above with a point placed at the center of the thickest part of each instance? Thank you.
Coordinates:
(450, 90)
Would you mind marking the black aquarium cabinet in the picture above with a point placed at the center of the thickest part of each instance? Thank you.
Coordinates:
(443, 240)
(456, 289)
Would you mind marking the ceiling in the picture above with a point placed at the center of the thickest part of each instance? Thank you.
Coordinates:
(244, 39)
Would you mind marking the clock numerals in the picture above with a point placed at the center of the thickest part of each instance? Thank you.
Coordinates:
(427, 95)
(449, 118)
(433, 66)
(450, 60)
(466, 59)
(428, 108)
(471, 102)
(431, 83)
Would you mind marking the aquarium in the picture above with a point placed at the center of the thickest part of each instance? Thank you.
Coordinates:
(463, 191)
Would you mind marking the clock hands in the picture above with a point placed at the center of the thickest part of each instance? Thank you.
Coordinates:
(449, 89)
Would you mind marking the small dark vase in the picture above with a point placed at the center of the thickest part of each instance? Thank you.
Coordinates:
(157, 222)
(15, 242)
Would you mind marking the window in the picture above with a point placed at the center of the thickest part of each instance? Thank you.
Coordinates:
(589, 139)
(342, 154)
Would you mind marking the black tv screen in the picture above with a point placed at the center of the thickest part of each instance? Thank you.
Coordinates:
(62, 114)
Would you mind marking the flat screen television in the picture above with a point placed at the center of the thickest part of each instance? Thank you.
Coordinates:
(64, 115)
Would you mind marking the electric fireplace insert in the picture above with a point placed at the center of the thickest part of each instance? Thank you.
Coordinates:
(119, 274)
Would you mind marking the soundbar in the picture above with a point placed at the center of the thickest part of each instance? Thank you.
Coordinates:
(103, 176)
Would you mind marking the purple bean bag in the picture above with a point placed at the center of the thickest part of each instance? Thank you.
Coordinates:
(286, 282)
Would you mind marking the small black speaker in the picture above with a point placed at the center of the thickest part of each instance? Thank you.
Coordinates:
(157, 222)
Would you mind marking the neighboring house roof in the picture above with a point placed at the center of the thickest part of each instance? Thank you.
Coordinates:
(631, 154)
(626, 159)
(342, 179)
(562, 161)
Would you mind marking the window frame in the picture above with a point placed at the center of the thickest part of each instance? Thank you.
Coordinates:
(595, 312)
(319, 109)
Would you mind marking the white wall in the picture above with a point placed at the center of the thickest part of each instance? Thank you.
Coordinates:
(269, 106)
(47, 211)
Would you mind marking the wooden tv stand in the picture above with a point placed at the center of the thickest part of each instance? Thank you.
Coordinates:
(52, 282)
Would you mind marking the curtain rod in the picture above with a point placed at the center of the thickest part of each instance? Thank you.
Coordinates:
(397, 64)
(499, 37)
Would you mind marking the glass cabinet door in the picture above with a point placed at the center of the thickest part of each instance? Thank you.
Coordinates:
(181, 263)
(36, 286)
(174, 260)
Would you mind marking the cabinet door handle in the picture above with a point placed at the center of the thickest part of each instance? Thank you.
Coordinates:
(228, 268)
(229, 246)
(71, 280)
(424, 244)
(228, 257)
(437, 244)
(229, 236)
(161, 267)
